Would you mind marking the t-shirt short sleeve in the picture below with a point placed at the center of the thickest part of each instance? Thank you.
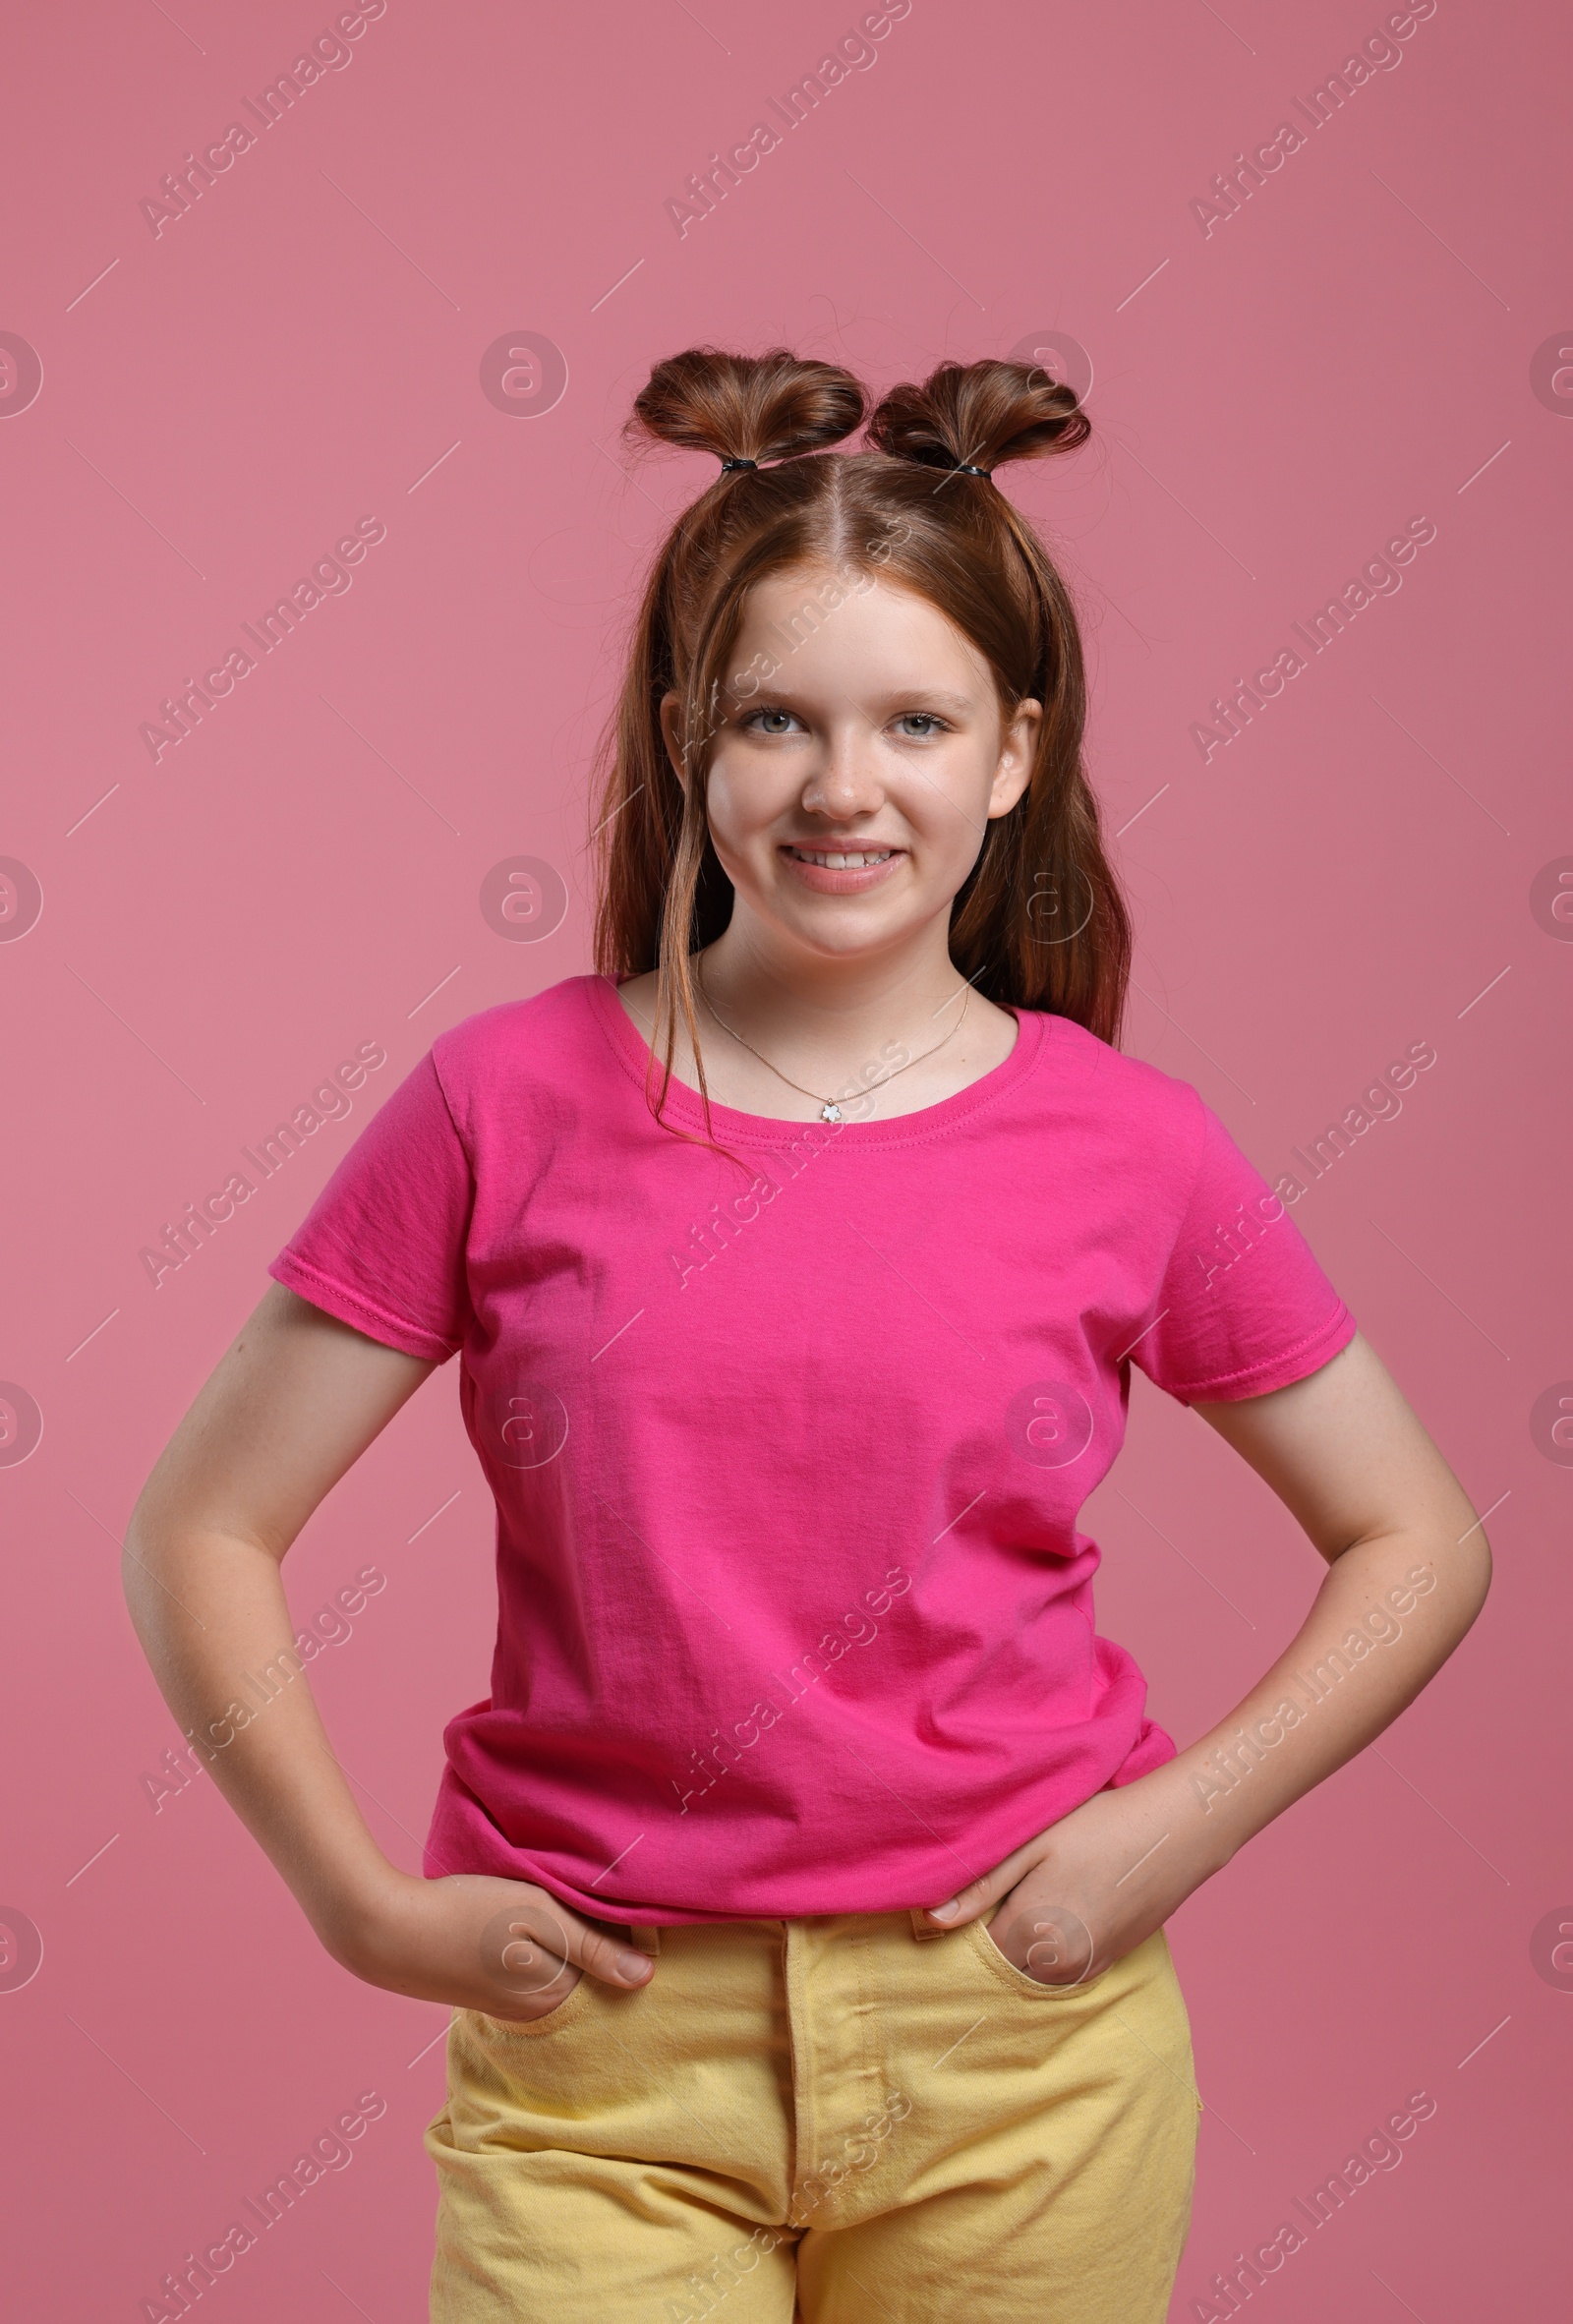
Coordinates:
(383, 1246)
(1243, 1307)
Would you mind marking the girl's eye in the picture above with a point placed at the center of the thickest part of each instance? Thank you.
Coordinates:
(921, 724)
(770, 721)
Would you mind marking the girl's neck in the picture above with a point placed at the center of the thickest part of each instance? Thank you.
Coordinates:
(774, 1050)
(886, 996)
(782, 1039)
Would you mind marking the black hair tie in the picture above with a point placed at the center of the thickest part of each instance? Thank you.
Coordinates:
(725, 464)
(935, 456)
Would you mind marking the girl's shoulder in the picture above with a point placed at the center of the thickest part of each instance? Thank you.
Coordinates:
(1141, 1143)
(540, 1039)
(1084, 1075)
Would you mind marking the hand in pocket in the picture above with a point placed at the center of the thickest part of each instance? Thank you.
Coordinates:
(506, 1948)
(1083, 1893)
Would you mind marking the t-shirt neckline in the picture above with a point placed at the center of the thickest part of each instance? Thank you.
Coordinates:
(685, 1110)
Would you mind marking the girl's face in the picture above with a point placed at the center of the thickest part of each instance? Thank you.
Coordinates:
(851, 785)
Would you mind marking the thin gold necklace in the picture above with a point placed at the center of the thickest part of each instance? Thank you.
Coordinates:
(829, 1110)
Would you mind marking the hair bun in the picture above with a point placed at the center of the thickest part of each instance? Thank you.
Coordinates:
(979, 413)
(755, 407)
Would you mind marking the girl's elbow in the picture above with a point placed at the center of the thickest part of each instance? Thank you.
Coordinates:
(1484, 1570)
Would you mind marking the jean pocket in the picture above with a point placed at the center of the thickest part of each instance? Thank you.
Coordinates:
(572, 2005)
(1001, 1966)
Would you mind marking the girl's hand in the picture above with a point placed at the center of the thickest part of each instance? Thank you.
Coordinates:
(503, 1947)
(1407, 1568)
(1086, 1892)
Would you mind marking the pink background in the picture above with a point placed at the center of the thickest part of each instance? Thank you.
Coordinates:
(1272, 401)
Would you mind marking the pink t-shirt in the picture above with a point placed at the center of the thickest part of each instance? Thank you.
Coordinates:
(788, 1451)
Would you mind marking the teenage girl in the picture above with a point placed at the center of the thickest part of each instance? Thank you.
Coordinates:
(799, 1887)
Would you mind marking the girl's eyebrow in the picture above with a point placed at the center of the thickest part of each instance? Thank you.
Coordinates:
(905, 698)
(935, 695)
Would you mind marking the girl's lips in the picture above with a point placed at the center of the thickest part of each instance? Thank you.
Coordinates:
(849, 880)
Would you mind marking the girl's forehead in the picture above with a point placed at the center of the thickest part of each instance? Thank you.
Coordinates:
(812, 601)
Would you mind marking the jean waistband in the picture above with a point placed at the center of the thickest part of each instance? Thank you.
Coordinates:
(644, 1936)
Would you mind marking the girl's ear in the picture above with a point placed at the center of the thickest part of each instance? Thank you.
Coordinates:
(1017, 748)
(670, 707)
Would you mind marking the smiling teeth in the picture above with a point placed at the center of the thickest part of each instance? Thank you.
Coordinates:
(844, 862)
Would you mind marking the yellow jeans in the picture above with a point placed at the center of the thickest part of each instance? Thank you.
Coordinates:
(828, 2120)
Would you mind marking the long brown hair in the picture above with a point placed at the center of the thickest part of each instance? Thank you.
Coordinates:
(1039, 921)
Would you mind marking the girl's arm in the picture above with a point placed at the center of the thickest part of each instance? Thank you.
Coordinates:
(1409, 1569)
(292, 1405)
